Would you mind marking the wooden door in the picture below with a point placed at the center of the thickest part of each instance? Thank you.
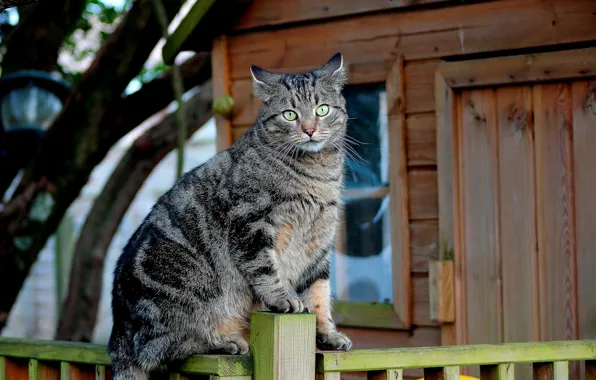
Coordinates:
(517, 178)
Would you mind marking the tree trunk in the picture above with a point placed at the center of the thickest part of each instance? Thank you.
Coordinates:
(72, 147)
(79, 312)
(36, 40)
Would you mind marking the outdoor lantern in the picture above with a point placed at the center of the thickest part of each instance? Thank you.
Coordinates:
(29, 103)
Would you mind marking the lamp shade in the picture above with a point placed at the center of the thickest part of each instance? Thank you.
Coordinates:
(30, 99)
(29, 106)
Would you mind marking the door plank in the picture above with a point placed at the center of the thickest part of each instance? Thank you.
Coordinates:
(556, 235)
(478, 194)
(584, 163)
(517, 218)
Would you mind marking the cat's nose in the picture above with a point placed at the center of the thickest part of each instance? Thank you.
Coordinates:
(309, 131)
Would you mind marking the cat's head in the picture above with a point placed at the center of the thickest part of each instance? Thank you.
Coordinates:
(305, 111)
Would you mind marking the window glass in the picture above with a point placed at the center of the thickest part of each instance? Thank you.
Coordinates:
(361, 266)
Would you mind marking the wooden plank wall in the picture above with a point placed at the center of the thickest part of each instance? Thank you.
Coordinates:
(370, 44)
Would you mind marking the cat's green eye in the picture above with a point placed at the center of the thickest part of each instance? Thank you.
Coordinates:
(290, 115)
(322, 110)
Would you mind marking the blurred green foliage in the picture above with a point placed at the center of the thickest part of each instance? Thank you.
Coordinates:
(97, 21)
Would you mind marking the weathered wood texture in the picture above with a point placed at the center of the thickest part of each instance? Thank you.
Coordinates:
(451, 31)
(370, 42)
(398, 193)
(283, 346)
(523, 153)
(584, 161)
(263, 13)
(479, 179)
(221, 87)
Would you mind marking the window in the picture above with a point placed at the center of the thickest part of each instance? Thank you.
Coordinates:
(370, 270)
(361, 266)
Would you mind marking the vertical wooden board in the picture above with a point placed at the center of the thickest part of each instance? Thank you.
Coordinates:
(70, 371)
(422, 140)
(43, 371)
(389, 374)
(478, 195)
(504, 371)
(220, 68)
(555, 207)
(16, 369)
(283, 346)
(423, 197)
(420, 85)
(398, 194)
(590, 370)
(424, 238)
(447, 373)
(584, 169)
(517, 218)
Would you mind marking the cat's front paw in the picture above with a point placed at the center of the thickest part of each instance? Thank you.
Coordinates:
(333, 341)
(287, 305)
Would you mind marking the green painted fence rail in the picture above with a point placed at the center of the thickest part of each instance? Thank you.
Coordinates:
(283, 348)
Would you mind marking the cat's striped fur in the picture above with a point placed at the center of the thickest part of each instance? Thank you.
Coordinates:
(247, 230)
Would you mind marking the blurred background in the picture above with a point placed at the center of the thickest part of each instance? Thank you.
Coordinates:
(469, 212)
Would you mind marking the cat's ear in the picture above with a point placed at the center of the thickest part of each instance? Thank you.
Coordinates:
(333, 72)
(262, 82)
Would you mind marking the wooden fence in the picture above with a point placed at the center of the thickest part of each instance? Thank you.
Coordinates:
(283, 348)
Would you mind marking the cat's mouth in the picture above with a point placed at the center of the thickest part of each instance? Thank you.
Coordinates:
(312, 145)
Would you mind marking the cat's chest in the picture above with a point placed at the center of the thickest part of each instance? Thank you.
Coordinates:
(306, 229)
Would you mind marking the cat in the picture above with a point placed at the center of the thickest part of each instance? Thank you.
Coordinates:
(250, 229)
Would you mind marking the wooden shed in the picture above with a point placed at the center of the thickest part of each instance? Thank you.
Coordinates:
(478, 180)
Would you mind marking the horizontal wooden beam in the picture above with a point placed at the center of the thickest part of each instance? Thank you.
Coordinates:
(530, 68)
(88, 353)
(428, 357)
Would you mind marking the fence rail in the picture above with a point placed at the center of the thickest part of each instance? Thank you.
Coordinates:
(283, 348)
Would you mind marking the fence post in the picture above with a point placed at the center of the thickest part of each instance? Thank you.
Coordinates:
(283, 346)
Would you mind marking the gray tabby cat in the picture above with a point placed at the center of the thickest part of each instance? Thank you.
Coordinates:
(245, 231)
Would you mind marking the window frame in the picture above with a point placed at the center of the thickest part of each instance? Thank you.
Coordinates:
(396, 315)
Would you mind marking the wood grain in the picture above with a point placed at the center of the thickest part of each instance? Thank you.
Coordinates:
(370, 339)
(421, 301)
(517, 218)
(441, 291)
(283, 346)
(504, 371)
(43, 371)
(517, 215)
(398, 194)
(520, 69)
(16, 369)
(220, 68)
(555, 212)
(389, 374)
(422, 140)
(424, 240)
(70, 371)
(471, 28)
(584, 164)
(420, 85)
(274, 12)
(478, 127)
(423, 195)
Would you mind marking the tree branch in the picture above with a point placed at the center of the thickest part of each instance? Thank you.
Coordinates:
(81, 128)
(36, 40)
(132, 110)
(79, 312)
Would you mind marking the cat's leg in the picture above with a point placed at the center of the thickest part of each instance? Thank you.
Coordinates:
(255, 257)
(315, 292)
